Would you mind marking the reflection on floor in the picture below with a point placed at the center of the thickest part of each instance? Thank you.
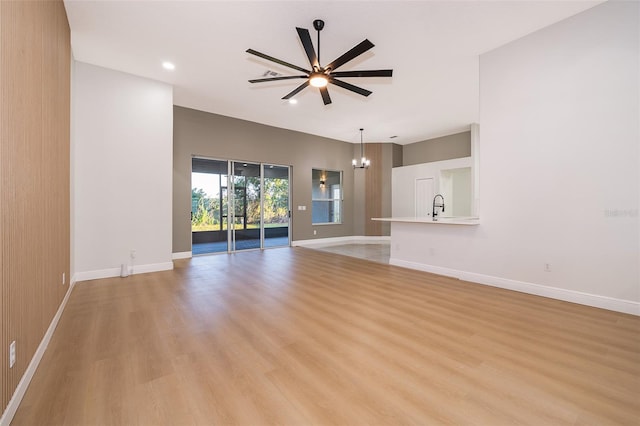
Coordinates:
(221, 246)
(378, 252)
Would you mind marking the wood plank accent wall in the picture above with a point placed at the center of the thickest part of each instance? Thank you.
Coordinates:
(35, 61)
(373, 189)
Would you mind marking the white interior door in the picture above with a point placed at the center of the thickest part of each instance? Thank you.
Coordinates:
(424, 197)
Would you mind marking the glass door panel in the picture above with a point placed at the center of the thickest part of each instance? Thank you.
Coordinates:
(208, 206)
(276, 205)
(246, 213)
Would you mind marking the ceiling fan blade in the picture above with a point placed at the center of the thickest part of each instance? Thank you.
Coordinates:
(325, 95)
(288, 77)
(356, 89)
(296, 90)
(277, 61)
(351, 54)
(305, 38)
(368, 73)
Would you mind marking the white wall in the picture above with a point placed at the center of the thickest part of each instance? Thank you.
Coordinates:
(122, 167)
(559, 161)
(403, 193)
(456, 188)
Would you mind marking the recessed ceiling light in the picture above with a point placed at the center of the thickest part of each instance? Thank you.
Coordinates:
(168, 66)
(293, 101)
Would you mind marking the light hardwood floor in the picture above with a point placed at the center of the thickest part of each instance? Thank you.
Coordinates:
(297, 336)
(374, 252)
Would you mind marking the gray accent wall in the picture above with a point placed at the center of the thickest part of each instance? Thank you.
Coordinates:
(437, 149)
(202, 134)
(397, 153)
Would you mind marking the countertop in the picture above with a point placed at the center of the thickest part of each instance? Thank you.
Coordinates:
(428, 220)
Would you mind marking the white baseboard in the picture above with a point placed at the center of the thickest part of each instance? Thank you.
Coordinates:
(597, 301)
(115, 272)
(341, 240)
(152, 267)
(97, 274)
(18, 394)
(181, 255)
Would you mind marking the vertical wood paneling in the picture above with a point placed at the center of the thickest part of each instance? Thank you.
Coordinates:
(373, 189)
(35, 60)
(4, 326)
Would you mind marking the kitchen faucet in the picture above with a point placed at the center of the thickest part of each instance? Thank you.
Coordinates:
(434, 213)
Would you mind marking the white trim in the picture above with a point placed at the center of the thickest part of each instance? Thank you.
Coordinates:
(18, 394)
(341, 240)
(597, 301)
(152, 267)
(181, 255)
(115, 272)
(97, 274)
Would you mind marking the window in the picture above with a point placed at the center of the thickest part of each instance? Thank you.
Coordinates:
(326, 196)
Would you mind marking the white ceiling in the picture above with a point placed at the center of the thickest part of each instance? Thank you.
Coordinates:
(432, 46)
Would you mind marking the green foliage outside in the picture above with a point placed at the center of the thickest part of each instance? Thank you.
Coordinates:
(206, 211)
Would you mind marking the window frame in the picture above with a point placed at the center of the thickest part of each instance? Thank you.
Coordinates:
(336, 205)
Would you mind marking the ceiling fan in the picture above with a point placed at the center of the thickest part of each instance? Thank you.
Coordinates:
(320, 76)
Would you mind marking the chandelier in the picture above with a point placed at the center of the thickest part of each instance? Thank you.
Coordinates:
(364, 163)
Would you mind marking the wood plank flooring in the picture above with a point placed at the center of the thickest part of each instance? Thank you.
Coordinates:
(298, 337)
(379, 252)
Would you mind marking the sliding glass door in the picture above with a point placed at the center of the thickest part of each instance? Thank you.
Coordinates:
(276, 210)
(209, 205)
(238, 205)
(246, 220)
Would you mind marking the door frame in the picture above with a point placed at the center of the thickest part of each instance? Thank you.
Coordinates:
(231, 203)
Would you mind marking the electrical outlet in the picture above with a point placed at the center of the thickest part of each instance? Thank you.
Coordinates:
(133, 254)
(64, 278)
(547, 267)
(315, 232)
(12, 354)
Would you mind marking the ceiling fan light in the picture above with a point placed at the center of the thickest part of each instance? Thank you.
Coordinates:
(318, 80)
